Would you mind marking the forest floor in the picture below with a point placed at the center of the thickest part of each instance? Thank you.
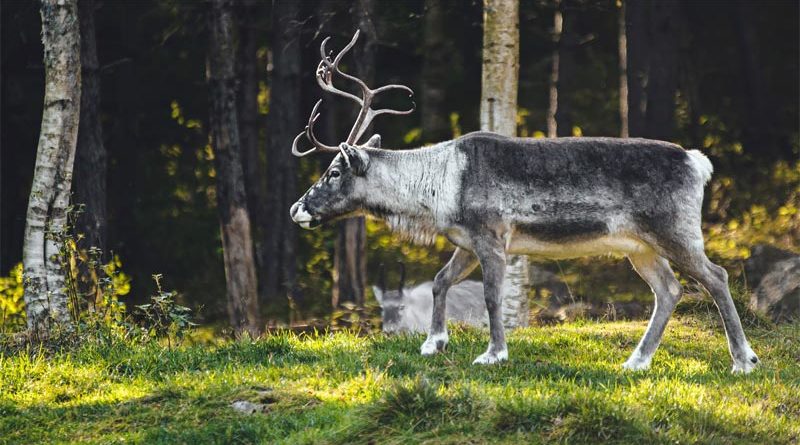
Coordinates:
(562, 384)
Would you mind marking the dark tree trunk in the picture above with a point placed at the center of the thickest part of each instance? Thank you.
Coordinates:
(90, 157)
(237, 243)
(622, 51)
(350, 256)
(284, 123)
(663, 78)
(759, 135)
(252, 165)
(435, 72)
(565, 39)
(636, 23)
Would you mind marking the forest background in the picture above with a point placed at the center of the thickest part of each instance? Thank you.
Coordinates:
(718, 76)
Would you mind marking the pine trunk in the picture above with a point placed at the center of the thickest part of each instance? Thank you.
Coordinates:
(237, 243)
(435, 74)
(252, 165)
(284, 123)
(662, 80)
(759, 134)
(45, 296)
(622, 49)
(637, 39)
(499, 114)
(350, 251)
(90, 157)
(559, 116)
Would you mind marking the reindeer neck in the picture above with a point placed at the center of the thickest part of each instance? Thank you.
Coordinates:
(415, 191)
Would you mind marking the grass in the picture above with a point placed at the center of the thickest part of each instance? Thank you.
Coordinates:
(562, 384)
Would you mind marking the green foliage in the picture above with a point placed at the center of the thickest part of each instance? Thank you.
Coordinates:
(563, 384)
(12, 305)
(163, 317)
(774, 218)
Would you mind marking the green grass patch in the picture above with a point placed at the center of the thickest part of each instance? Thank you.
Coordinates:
(563, 384)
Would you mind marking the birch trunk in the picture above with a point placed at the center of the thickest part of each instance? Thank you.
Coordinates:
(499, 114)
(237, 242)
(45, 296)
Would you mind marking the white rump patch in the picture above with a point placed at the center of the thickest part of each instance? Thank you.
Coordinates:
(701, 164)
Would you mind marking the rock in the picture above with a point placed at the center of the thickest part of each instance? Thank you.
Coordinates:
(243, 406)
(778, 293)
(762, 258)
(774, 276)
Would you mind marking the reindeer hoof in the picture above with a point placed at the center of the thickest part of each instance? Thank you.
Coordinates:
(636, 365)
(434, 343)
(745, 366)
(490, 358)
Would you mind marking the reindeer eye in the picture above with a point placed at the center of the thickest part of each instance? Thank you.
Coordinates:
(335, 173)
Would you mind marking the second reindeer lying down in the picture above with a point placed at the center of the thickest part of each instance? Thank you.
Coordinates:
(554, 198)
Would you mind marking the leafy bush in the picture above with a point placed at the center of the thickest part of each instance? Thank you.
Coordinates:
(163, 316)
(12, 304)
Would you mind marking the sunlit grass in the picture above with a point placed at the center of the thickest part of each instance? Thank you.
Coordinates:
(562, 384)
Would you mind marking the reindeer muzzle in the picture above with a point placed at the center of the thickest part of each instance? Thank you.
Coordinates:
(302, 217)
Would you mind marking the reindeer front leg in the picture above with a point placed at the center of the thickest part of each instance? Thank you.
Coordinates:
(492, 256)
(456, 270)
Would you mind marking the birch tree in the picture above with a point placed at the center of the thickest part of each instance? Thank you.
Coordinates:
(45, 296)
(499, 114)
(237, 241)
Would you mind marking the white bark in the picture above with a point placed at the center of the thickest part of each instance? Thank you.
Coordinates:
(499, 114)
(45, 297)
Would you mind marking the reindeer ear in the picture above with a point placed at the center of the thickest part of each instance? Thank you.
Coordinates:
(378, 295)
(357, 160)
(374, 141)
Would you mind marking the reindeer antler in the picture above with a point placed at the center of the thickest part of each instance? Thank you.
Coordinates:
(325, 71)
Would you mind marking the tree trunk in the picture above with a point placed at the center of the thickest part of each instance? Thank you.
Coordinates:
(90, 156)
(284, 123)
(499, 114)
(622, 48)
(252, 165)
(45, 296)
(559, 115)
(435, 73)
(759, 135)
(350, 251)
(663, 77)
(637, 39)
(237, 243)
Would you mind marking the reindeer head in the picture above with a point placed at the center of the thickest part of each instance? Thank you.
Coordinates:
(338, 191)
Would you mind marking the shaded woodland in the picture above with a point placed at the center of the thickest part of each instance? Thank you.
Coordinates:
(188, 110)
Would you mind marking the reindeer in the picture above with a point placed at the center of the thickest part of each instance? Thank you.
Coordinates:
(492, 195)
(408, 309)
